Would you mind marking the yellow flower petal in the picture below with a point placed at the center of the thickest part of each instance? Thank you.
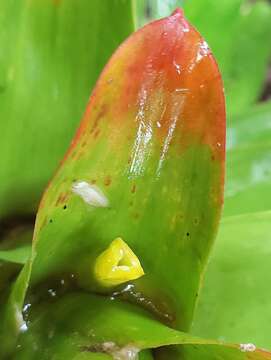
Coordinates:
(117, 265)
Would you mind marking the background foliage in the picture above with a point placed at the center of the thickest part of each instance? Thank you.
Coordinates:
(44, 87)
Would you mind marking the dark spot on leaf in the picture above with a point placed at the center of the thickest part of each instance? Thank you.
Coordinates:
(44, 222)
(196, 221)
(81, 153)
(102, 112)
(187, 234)
(65, 207)
(95, 348)
(266, 93)
(56, 2)
(97, 119)
(107, 181)
(133, 189)
(97, 132)
(51, 220)
(62, 198)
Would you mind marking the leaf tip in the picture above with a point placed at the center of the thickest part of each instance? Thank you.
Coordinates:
(178, 12)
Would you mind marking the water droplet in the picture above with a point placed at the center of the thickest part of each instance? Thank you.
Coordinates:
(26, 307)
(23, 327)
(247, 347)
(52, 292)
(182, 90)
(177, 67)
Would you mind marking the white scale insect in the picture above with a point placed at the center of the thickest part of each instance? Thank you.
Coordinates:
(91, 194)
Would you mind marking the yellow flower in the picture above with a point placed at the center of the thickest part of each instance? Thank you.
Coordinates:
(117, 265)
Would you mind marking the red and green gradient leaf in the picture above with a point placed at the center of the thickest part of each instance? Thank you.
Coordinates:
(152, 140)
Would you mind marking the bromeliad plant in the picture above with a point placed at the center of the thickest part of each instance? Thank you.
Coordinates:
(124, 229)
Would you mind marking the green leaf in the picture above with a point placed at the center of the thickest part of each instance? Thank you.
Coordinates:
(235, 300)
(15, 249)
(94, 324)
(238, 32)
(148, 10)
(50, 57)
(146, 165)
(18, 255)
(249, 162)
(248, 179)
(251, 127)
(87, 356)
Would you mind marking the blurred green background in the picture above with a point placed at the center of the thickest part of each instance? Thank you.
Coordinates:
(44, 89)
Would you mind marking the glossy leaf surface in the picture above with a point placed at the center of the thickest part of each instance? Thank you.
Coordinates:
(150, 152)
(51, 54)
(235, 299)
(90, 325)
(238, 32)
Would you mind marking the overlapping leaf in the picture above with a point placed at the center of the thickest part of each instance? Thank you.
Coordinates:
(86, 325)
(15, 249)
(249, 162)
(51, 54)
(18, 255)
(234, 303)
